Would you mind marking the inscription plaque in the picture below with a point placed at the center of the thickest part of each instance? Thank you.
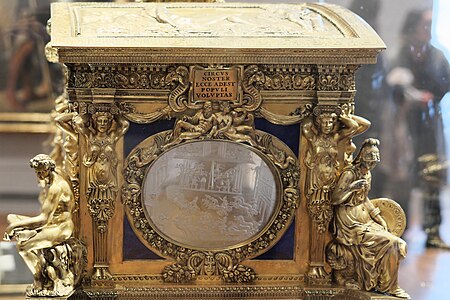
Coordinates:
(215, 84)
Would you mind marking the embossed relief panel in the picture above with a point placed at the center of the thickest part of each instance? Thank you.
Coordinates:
(189, 21)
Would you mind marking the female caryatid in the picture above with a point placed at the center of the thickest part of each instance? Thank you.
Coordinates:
(361, 236)
(328, 133)
(101, 162)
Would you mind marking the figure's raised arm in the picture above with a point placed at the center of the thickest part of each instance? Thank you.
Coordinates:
(308, 129)
(363, 124)
(63, 122)
(123, 125)
(80, 123)
(350, 126)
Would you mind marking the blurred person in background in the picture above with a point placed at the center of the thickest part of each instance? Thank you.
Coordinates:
(372, 93)
(31, 82)
(420, 79)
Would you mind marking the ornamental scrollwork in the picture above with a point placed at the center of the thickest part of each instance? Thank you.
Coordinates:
(263, 77)
(178, 81)
(108, 76)
(209, 264)
(253, 81)
(288, 80)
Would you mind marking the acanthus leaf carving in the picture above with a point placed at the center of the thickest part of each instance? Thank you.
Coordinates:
(253, 80)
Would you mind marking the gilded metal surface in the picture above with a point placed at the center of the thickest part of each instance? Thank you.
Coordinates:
(46, 241)
(64, 122)
(230, 292)
(363, 253)
(327, 130)
(215, 292)
(393, 214)
(102, 126)
(65, 150)
(217, 83)
(233, 292)
(297, 78)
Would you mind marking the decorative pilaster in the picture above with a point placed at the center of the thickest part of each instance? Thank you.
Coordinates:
(102, 126)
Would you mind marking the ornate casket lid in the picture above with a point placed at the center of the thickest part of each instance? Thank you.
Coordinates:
(210, 33)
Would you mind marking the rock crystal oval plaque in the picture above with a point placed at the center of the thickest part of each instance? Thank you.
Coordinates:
(210, 194)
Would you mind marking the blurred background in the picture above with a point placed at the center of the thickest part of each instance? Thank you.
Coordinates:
(405, 96)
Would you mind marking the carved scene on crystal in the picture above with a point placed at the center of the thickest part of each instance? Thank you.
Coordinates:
(210, 194)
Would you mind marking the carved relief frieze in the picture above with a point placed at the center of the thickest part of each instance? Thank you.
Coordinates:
(286, 77)
(336, 77)
(120, 77)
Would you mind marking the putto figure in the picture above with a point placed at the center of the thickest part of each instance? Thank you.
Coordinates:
(45, 241)
(363, 253)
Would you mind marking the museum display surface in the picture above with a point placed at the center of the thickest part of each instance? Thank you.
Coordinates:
(205, 151)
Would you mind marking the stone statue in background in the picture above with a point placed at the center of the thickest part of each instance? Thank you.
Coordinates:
(364, 254)
(45, 242)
